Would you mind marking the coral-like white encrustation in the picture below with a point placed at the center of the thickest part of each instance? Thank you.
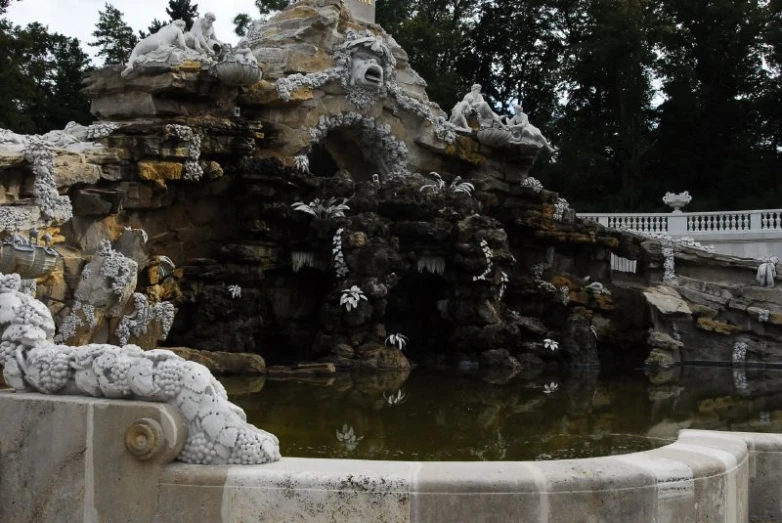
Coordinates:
(218, 432)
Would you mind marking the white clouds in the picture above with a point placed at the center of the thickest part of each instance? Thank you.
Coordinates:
(77, 18)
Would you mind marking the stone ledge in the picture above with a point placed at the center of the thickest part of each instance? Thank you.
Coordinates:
(704, 476)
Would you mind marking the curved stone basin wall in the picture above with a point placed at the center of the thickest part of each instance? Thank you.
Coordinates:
(65, 459)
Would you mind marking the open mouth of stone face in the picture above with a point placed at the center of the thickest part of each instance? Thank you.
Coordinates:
(374, 75)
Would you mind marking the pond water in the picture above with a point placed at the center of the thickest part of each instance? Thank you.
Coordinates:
(452, 416)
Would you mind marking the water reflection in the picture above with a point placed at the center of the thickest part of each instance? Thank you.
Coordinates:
(441, 415)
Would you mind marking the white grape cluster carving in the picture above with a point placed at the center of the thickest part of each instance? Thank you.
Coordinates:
(143, 315)
(193, 169)
(218, 432)
(340, 266)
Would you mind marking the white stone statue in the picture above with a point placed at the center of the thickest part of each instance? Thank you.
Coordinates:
(365, 70)
(474, 105)
(201, 36)
(167, 38)
(242, 54)
(520, 121)
(218, 432)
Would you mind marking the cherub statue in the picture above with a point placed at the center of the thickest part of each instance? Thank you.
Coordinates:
(520, 122)
(243, 54)
(201, 36)
(171, 35)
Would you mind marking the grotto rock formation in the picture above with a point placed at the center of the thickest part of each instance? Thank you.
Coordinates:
(329, 212)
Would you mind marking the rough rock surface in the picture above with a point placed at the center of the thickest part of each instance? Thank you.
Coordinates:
(210, 175)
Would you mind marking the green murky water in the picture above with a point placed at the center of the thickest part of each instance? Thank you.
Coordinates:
(442, 415)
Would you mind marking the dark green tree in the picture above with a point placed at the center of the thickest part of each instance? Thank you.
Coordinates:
(182, 10)
(267, 6)
(114, 38)
(40, 88)
(242, 22)
(436, 35)
(4, 5)
(719, 123)
(603, 127)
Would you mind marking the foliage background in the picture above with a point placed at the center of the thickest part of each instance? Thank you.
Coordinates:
(640, 97)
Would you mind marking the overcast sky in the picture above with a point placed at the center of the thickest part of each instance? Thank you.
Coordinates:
(77, 18)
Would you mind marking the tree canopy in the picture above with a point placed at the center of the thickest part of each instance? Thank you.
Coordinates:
(114, 38)
(182, 10)
(640, 97)
(40, 88)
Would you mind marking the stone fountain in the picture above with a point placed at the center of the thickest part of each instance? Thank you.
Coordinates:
(299, 197)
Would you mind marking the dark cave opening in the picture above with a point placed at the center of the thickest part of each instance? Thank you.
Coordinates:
(414, 310)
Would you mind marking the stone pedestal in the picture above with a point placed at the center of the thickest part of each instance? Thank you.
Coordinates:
(362, 10)
(65, 458)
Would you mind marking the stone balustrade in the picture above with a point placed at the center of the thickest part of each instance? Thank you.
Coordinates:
(748, 234)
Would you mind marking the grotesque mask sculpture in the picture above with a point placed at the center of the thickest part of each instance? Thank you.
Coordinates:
(366, 70)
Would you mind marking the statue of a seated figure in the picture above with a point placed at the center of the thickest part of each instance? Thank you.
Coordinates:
(201, 36)
(474, 105)
(520, 121)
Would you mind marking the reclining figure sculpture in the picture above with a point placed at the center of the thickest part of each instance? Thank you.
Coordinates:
(492, 131)
(218, 432)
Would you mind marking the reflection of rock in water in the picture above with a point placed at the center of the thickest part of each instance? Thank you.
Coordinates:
(452, 416)
(239, 386)
(580, 389)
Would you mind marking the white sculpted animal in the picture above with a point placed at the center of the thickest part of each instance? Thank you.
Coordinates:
(201, 36)
(172, 35)
(218, 432)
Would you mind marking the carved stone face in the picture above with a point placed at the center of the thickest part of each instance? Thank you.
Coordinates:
(366, 71)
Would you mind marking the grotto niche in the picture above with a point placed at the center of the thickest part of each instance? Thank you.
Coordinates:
(328, 212)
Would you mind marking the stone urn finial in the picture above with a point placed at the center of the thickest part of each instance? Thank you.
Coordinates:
(677, 201)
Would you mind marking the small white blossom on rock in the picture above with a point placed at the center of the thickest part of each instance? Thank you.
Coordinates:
(397, 340)
(351, 297)
(551, 345)
(550, 388)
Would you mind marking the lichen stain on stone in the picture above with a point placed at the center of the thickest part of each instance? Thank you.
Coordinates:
(189, 66)
(265, 93)
(305, 63)
(466, 149)
(298, 12)
(160, 172)
(718, 327)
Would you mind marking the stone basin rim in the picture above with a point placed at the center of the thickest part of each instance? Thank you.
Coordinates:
(634, 470)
